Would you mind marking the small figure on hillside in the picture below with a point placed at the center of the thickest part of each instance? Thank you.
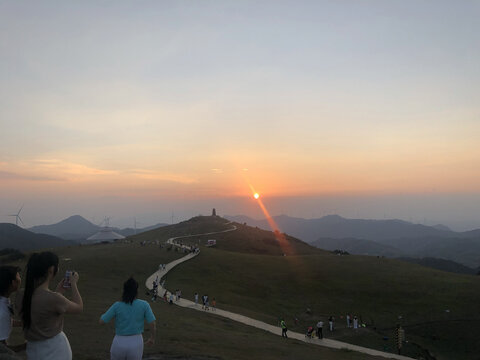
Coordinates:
(155, 291)
(284, 328)
(309, 333)
(320, 329)
(165, 296)
(196, 298)
(171, 299)
(214, 304)
(207, 303)
(355, 322)
(331, 321)
(348, 320)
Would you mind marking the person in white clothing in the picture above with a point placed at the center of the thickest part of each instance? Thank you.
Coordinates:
(320, 329)
(10, 281)
(355, 322)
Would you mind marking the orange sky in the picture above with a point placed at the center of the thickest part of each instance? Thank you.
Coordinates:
(177, 103)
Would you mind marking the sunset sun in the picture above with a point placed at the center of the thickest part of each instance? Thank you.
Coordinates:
(256, 196)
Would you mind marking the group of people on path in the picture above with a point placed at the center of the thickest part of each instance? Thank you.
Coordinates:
(352, 322)
(205, 302)
(40, 311)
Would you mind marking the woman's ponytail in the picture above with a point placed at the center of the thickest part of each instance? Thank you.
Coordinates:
(37, 271)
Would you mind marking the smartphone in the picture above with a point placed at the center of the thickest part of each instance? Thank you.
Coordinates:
(66, 281)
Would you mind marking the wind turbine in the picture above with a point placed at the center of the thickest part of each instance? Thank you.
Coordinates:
(17, 217)
(135, 223)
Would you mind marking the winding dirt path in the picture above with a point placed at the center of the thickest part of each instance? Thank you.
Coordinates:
(334, 344)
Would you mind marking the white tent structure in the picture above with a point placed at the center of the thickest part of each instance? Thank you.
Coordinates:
(106, 234)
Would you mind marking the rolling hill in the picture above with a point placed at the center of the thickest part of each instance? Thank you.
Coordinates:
(13, 236)
(78, 228)
(442, 264)
(391, 238)
(357, 247)
(181, 333)
(337, 227)
(245, 275)
(253, 277)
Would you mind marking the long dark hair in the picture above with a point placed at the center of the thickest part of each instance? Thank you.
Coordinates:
(37, 271)
(7, 275)
(130, 290)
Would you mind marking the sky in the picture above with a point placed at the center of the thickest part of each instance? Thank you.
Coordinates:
(162, 110)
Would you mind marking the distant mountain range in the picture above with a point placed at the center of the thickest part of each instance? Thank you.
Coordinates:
(78, 228)
(392, 238)
(14, 237)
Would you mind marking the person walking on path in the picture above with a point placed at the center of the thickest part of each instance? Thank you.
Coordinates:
(348, 320)
(196, 299)
(130, 315)
(214, 304)
(207, 303)
(320, 329)
(42, 310)
(331, 320)
(355, 322)
(155, 291)
(284, 328)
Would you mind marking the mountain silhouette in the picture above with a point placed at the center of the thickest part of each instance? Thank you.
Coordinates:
(73, 228)
(391, 238)
(337, 227)
(14, 237)
(78, 228)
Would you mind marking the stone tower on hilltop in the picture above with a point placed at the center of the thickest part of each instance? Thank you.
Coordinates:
(214, 213)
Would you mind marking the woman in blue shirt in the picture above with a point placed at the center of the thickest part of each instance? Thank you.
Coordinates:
(130, 315)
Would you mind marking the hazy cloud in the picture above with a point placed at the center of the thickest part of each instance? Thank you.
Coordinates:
(6, 175)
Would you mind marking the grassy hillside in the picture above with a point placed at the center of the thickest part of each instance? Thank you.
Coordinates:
(257, 241)
(316, 286)
(181, 332)
(196, 225)
(308, 287)
(14, 237)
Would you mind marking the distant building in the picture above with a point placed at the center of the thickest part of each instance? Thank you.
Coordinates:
(214, 213)
(106, 234)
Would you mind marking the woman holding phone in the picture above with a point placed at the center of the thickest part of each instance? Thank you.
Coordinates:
(43, 310)
(130, 315)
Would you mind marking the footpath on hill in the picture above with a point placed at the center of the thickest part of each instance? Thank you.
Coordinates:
(334, 344)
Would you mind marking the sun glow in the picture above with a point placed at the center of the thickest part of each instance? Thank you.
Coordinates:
(256, 196)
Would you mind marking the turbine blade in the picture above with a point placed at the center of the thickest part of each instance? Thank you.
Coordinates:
(19, 218)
